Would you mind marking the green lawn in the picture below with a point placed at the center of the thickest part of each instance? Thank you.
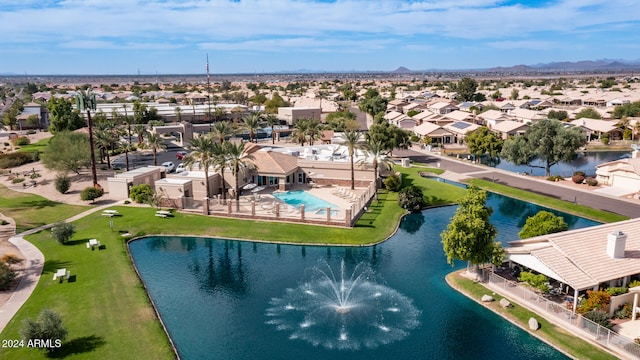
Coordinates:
(552, 334)
(40, 146)
(562, 205)
(30, 211)
(106, 309)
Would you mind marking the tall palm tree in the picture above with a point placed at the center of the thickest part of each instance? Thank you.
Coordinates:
(313, 130)
(239, 161)
(272, 121)
(299, 134)
(155, 143)
(351, 139)
(86, 100)
(104, 141)
(219, 113)
(201, 153)
(252, 123)
(141, 131)
(220, 131)
(378, 155)
(129, 147)
(220, 162)
(178, 112)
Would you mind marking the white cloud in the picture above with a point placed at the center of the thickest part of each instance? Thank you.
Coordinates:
(523, 44)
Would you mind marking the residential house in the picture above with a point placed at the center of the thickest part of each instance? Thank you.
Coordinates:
(510, 128)
(594, 128)
(623, 174)
(442, 108)
(460, 129)
(493, 117)
(527, 116)
(437, 134)
(592, 258)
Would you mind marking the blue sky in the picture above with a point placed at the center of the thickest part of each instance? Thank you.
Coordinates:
(254, 36)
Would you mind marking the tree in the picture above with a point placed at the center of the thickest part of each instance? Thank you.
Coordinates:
(239, 161)
(62, 117)
(470, 236)
(375, 152)
(104, 141)
(252, 123)
(546, 140)
(276, 101)
(86, 101)
(48, 325)
(351, 140)
(272, 121)
(411, 198)
(201, 154)
(483, 141)
(178, 112)
(7, 275)
(372, 105)
(220, 131)
(67, 151)
(514, 94)
(155, 143)
(542, 223)
(341, 121)
(33, 120)
(466, 89)
(63, 231)
(558, 115)
(91, 193)
(313, 130)
(299, 133)
(589, 113)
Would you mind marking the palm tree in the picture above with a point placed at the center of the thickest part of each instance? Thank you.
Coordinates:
(202, 154)
(86, 100)
(219, 113)
(220, 162)
(351, 140)
(376, 152)
(220, 131)
(299, 134)
(313, 130)
(252, 123)
(178, 112)
(272, 121)
(129, 147)
(140, 130)
(104, 140)
(239, 161)
(155, 143)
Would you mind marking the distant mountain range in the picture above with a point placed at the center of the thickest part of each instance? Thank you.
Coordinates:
(562, 66)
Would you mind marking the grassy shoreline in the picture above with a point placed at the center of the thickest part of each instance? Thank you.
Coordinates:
(555, 336)
(104, 331)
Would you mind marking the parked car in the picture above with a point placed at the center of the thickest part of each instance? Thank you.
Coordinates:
(181, 154)
(181, 168)
(169, 166)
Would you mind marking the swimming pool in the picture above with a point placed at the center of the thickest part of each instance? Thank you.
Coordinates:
(300, 197)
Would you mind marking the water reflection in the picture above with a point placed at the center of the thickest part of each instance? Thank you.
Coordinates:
(220, 273)
(412, 224)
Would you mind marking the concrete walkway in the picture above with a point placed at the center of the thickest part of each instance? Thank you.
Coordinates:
(32, 271)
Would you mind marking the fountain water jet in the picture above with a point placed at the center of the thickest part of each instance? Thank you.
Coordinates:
(348, 312)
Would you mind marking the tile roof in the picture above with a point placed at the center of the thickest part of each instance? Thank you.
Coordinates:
(271, 162)
(579, 256)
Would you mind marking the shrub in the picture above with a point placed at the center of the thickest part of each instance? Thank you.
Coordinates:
(595, 300)
(624, 311)
(4, 222)
(411, 198)
(578, 179)
(537, 281)
(18, 158)
(6, 276)
(63, 183)
(551, 178)
(62, 232)
(613, 291)
(634, 283)
(591, 181)
(17, 180)
(627, 134)
(393, 183)
(599, 317)
(21, 141)
(31, 132)
(91, 193)
(127, 202)
(10, 259)
(141, 193)
(605, 140)
(48, 325)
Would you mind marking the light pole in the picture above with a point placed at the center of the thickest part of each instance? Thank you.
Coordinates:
(86, 100)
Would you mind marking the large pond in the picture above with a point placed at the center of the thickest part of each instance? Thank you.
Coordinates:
(585, 162)
(223, 299)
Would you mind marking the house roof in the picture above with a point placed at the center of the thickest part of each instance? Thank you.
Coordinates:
(392, 115)
(629, 165)
(495, 115)
(461, 127)
(578, 257)
(459, 115)
(426, 128)
(271, 162)
(595, 124)
(508, 126)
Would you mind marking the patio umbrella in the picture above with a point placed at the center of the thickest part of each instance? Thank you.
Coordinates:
(258, 189)
(249, 186)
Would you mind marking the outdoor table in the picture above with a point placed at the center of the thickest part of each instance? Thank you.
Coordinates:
(110, 213)
(163, 213)
(60, 274)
